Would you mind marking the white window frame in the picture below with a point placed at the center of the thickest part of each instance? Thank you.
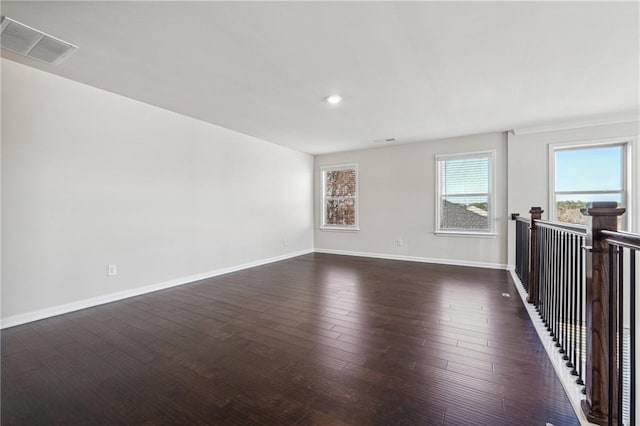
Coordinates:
(491, 198)
(628, 174)
(329, 227)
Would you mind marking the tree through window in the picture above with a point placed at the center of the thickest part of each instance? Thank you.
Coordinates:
(340, 197)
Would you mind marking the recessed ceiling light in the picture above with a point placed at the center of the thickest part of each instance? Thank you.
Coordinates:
(334, 99)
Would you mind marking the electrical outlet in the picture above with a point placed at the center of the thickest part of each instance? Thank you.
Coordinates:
(284, 242)
(112, 270)
(399, 242)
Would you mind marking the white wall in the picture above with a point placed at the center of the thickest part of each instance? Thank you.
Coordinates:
(528, 156)
(90, 178)
(397, 201)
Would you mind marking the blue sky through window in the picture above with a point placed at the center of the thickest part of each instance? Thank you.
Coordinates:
(589, 169)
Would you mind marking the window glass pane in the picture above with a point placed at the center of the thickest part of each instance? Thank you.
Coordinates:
(340, 196)
(340, 183)
(465, 176)
(589, 169)
(568, 206)
(465, 213)
(341, 212)
(464, 194)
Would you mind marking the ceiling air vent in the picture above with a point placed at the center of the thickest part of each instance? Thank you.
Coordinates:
(32, 43)
(386, 140)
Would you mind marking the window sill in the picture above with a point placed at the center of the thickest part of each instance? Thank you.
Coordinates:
(340, 229)
(466, 234)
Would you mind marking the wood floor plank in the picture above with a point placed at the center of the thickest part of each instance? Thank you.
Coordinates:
(317, 339)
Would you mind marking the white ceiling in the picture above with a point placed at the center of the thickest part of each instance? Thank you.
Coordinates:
(413, 71)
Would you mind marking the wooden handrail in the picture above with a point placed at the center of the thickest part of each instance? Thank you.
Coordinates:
(624, 239)
(569, 227)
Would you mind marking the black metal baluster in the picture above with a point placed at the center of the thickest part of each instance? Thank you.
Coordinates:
(561, 287)
(540, 271)
(538, 274)
(565, 299)
(523, 250)
(525, 260)
(548, 279)
(632, 335)
(556, 287)
(557, 290)
(612, 330)
(551, 274)
(547, 291)
(552, 278)
(518, 250)
(574, 304)
(558, 300)
(528, 258)
(581, 296)
(620, 330)
(570, 292)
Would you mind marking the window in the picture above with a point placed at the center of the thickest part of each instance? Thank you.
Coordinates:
(340, 197)
(465, 202)
(586, 173)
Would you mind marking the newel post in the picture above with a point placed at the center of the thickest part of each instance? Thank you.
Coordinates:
(536, 214)
(600, 216)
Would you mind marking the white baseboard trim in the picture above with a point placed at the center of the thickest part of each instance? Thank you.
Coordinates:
(52, 311)
(113, 297)
(485, 265)
(573, 391)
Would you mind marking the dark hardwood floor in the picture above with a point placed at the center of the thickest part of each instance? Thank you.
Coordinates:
(319, 339)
